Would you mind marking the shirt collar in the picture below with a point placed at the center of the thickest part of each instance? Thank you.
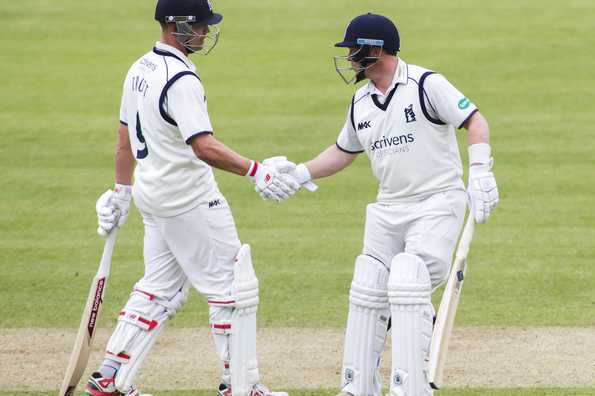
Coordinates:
(401, 76)
(175, 53)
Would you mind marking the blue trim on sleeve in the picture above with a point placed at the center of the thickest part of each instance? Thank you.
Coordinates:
(468, 117)
(163, 95)
(347, 151)
(422, 102)
(189, 140)
(123, 123)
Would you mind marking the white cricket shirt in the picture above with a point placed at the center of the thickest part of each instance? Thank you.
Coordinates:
(164, 106)
(408, 134)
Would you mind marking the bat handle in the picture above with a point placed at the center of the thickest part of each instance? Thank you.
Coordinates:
(310, 186)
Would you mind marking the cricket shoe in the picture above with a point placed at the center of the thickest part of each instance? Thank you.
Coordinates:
(224, 390)
(100, 386)
(257, 390)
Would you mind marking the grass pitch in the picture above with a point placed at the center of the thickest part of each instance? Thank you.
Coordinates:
(272, 90)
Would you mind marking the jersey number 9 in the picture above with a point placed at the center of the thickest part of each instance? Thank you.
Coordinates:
(140, 154)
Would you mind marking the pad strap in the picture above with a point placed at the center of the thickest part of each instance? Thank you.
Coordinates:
(137, 320)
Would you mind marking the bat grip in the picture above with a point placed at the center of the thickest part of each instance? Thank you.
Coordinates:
(310, 186)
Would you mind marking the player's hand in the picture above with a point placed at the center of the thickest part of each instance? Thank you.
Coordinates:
(112, 208)
(270, 184)
(280, 163)
(299, 172)
(482, 191)
(121, 199)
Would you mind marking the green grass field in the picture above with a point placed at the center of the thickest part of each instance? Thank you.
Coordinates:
(272, 90)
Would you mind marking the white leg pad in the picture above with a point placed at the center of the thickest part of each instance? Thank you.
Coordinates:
(220, 312)
(366, 328)
(409, 291)
(139, 324)
(243, 364)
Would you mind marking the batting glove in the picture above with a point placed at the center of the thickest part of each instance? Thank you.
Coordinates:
(482, 189)
(299, 173)
(112, 208)
(269, 183)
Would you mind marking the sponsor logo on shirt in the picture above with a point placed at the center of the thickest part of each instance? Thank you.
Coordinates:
(464, 103)
(214, 203)
(148, 64)
(389, 145)
(364, 125)
(391, 141)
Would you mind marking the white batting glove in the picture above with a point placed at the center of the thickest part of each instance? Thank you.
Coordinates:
(112, 208)
(482, 189)
(300, 173)
(269, 184)
(121, 199)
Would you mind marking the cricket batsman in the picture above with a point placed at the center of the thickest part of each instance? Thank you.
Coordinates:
(404, 119)
(166, 141)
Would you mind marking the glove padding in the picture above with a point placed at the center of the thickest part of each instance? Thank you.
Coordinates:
(269, 183)
(112, 208)
(482, 191)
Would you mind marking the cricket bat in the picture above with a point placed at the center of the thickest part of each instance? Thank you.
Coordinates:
(448, 306)
(84, 338)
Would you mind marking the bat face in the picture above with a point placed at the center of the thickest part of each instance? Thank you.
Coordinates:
(84, 338)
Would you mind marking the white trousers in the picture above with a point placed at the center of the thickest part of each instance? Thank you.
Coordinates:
(428, 228)
(199, 245)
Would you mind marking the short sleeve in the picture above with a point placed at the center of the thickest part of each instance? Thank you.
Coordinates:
(347, 140)
(447, 102)
(187, 105)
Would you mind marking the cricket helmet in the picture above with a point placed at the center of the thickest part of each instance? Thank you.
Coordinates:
(372, 27)
(185, 13)
(365, 32)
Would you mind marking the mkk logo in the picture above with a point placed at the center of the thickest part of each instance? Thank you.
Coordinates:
(215, 202)
(409, 114)
(364, 125)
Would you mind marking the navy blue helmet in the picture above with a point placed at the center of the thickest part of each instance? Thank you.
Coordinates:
(364, 33)
(372, 27)
(185, 13)
(196, 11)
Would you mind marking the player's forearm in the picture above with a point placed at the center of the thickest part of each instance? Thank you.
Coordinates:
(478, 129)
(218, 155)
(124, 167)
(125, 161)
(329, 162)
